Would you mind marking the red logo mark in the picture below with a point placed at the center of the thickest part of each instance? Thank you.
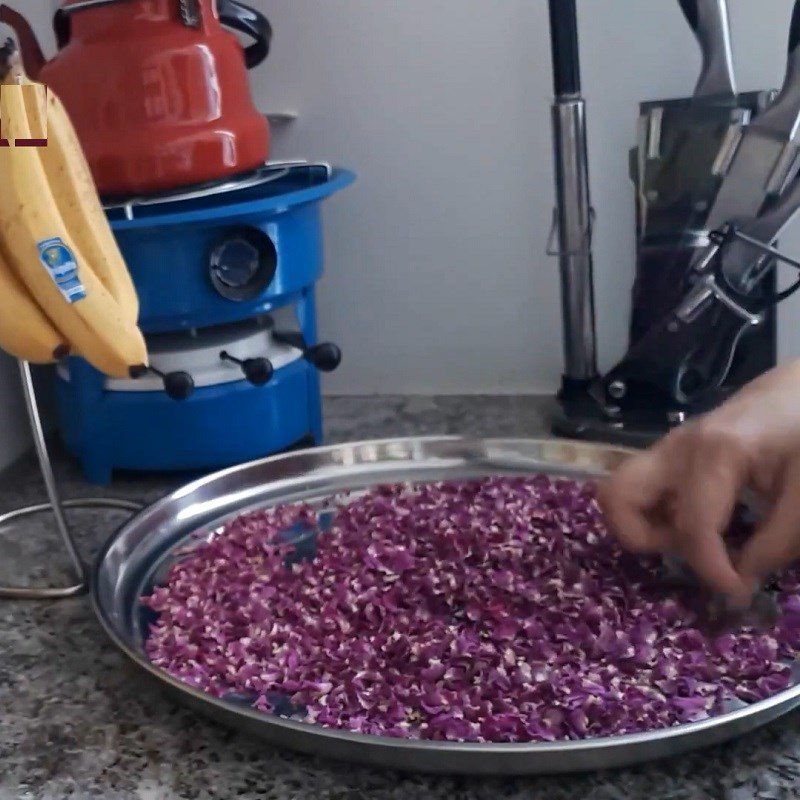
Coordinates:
(32, 93)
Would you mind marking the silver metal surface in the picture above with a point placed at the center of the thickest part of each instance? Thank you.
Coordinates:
(89, 4)
(190, 13)
(786, 166)
(739, 256)
(695, 301)
(655, 122)
(137, 556)
(730, 144)
(574, 237)
(763, 156)
(271, 171)
(703, 292)
(749, 180)
(617, 389)
(714, 34)
(281, 117)
(55, 505)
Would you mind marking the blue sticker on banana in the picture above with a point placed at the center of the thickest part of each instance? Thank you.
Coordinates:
(60, 263)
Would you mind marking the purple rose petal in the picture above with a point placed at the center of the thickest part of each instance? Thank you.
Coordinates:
(496, 610)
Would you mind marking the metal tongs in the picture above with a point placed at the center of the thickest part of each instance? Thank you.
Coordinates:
(688, 354)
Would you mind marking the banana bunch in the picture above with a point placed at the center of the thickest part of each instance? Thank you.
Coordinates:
(64, 286)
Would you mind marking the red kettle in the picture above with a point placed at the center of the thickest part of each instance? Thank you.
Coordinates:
(157, 89)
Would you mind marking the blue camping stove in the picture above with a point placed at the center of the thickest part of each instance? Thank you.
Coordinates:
(226, 279)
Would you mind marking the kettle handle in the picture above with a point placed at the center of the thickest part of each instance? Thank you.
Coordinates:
(247, 20)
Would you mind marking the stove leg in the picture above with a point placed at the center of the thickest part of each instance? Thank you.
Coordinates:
(307, 317)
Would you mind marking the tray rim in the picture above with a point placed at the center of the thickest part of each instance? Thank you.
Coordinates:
(741, 720)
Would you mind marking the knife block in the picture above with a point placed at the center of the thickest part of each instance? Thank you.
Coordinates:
(672, 169)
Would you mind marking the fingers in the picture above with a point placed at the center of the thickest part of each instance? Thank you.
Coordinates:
(713, 472)
(776, 544)
(628, 497)
(678, 498)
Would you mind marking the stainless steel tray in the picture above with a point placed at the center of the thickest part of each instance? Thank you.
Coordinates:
(138, 554)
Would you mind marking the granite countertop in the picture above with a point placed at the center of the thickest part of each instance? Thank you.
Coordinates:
(76, 721)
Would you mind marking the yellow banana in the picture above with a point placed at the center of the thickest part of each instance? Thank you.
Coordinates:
(25, 332)
(49, 262)
(76, 196)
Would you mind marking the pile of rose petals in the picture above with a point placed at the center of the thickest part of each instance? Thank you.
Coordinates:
(495, 610)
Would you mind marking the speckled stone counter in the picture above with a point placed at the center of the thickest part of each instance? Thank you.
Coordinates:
(76, 721)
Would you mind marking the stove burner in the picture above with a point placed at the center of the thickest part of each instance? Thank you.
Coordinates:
(271, 171)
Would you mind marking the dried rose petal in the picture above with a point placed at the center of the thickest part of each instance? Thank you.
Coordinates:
(490, 610)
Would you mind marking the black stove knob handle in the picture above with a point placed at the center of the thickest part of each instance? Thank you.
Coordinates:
(258, 371)
(179, 385)
(326, 357)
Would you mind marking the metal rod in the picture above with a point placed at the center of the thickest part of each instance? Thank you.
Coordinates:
(47, 471)
(55, 505)
(765, 248)
(564, 38)
(573, 203)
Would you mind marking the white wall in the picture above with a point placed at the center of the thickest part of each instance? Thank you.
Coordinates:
(437, 279)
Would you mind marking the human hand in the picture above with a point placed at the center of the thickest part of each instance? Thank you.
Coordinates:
(678, 497)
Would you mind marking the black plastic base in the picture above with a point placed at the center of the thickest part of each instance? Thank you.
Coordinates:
(582, 414)
(598, 428)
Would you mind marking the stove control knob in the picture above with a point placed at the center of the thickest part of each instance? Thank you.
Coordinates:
(179, 385)
(258, 371)
(242, 263)
(326, 357)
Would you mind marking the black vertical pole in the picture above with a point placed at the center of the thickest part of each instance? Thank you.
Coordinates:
(564, 42)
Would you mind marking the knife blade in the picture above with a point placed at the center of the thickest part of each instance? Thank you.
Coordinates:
(672, 166)
(710, 22)
(763, 152)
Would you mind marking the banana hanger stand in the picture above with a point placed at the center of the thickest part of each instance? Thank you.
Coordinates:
(54, 505)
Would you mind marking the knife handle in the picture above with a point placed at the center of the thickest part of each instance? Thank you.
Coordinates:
(783, 115)
(711, 24)
(682, 359)
(654, 366)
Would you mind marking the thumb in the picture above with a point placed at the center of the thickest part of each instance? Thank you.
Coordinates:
(776, 543)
